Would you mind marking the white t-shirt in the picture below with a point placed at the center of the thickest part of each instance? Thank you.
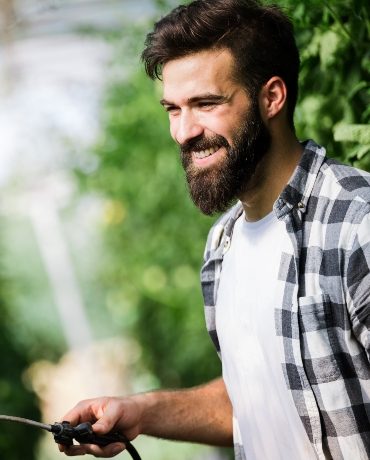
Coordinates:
(248, 293)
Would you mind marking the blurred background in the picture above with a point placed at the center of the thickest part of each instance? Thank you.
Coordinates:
(100, 246)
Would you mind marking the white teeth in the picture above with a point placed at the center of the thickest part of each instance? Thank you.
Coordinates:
(205, 153)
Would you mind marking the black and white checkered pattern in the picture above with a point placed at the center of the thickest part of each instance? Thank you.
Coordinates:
(324, 320)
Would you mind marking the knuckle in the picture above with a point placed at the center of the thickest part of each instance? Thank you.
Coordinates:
(82, 403)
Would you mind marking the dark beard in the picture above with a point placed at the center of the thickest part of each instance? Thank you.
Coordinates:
(213, 189)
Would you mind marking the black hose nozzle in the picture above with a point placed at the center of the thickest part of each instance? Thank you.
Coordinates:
(65, 433)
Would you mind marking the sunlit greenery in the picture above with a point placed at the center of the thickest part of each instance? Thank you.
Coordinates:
(334, 106)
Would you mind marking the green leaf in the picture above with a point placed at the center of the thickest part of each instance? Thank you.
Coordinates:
(352, 133)
(330, 42)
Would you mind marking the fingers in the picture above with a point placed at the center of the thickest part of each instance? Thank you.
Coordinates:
(102, 452)
(106, 414)
(90, 410)
(81, 412)
(101, 420)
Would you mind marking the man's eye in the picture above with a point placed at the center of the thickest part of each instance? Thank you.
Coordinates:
(170, 108)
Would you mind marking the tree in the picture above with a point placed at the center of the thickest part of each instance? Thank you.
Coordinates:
(334, 103)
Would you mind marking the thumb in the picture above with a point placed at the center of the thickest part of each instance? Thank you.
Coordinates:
(107, 421)
(103, 426)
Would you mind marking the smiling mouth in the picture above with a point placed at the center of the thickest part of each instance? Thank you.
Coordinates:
(206, 153)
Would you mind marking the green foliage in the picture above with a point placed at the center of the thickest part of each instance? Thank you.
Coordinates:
(16, 441)
(334, 39)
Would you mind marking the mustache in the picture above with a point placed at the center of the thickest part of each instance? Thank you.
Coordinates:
(203, 143)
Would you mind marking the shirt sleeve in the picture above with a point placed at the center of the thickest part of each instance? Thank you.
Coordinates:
(358, 284)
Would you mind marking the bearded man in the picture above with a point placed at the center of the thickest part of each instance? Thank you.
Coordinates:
(286, 271)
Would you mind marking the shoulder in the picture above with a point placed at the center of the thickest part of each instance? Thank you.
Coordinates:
(348, 182)
(339, 203)
(340, 193)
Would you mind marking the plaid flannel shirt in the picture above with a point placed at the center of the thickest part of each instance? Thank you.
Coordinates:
(323, 322)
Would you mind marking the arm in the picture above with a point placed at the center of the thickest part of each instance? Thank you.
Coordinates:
(358, 284)
(202, 414)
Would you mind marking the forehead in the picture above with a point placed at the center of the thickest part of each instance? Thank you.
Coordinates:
(210, 71)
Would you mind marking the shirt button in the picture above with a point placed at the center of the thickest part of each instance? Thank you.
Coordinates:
(226, 245)
(300, 205)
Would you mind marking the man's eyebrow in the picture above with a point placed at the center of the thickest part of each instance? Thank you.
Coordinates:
(208, 97)
(201, 97)
(164, 102)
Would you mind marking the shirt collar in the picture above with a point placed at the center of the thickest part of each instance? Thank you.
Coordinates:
(298, 190)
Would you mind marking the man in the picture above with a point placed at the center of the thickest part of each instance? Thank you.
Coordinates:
(286, 271)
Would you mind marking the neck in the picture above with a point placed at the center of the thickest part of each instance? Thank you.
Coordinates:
(271, 176)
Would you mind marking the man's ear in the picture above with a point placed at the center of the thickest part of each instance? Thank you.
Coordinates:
(273, 97)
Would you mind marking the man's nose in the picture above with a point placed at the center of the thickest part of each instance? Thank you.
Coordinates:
(188, 127)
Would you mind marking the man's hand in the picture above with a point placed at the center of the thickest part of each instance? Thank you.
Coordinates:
(202, 414)
(108, 414)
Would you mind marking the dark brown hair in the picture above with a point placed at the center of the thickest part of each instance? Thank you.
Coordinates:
(260, 38)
